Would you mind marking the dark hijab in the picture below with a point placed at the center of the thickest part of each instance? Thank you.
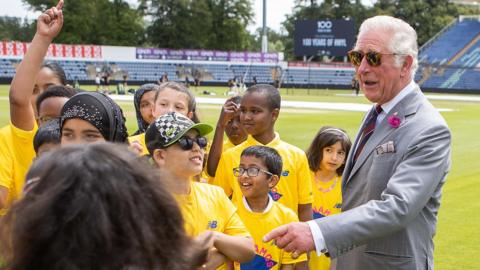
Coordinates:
(137, 98)
(100, 111)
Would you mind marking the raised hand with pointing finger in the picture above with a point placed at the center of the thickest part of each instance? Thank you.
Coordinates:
(50, 22)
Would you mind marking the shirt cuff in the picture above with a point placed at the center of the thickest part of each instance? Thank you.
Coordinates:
(318, 239)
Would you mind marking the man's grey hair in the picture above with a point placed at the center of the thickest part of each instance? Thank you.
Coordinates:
(403, 41)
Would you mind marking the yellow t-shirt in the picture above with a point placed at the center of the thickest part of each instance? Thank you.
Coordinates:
(295, 185)
(140, 139)
(227, 145)
(268, 255)
(207, 208)
(16, 156)
(327, 200)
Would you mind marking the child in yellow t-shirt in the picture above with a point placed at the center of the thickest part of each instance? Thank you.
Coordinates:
(259, 171)
(326, 158)
(31, 78)
(228, 123)
(176, 145)
(259, 110)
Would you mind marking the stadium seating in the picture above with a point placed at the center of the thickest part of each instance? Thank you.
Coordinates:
(452, 60)
(218, 72)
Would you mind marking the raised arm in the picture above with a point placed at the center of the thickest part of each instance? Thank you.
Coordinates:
(227, 113)
(49, 24)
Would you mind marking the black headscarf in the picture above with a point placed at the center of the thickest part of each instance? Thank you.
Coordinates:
(142, 124)
(100, 111)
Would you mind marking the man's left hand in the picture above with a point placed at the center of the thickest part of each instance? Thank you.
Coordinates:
(294, 237)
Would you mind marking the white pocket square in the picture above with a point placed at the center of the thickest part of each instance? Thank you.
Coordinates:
(387, 147)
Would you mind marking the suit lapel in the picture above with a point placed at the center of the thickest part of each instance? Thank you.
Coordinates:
(406, 107)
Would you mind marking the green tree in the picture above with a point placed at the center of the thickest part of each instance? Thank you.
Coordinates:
(209, 24)
(103, 22)
(427, 17)
(230, 20)
(275, 40)
(12, 28)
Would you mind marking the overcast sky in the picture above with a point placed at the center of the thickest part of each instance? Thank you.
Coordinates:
(276, 10)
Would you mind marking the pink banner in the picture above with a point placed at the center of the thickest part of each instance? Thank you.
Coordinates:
(12, 48)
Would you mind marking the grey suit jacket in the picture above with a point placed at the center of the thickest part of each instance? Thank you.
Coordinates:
(391, 198)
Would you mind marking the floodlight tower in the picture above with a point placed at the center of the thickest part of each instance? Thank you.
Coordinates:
(264, 28)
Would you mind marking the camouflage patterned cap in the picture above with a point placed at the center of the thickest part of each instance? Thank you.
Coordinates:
(169, 128)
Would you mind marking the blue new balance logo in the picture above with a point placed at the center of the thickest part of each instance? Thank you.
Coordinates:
(212, 224)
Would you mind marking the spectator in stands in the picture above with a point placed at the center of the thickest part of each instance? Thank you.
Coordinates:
(91, 117)
(259, 110)
(229, 123)
(97, 206)
(176, 144)
(31, 79)
(143, 101)
(393, 178)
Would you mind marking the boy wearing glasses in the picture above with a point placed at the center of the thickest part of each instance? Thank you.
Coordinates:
(177, 145)
(259, 171)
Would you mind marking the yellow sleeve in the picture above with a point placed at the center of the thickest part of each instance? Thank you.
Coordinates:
(304, 175)
(22, 144)
(6, 161)
(234, 225)
(140, 139)
(221, 175)
(290, 216)
(6, 169)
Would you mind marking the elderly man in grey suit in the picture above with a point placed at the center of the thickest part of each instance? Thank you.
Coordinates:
(395, 172)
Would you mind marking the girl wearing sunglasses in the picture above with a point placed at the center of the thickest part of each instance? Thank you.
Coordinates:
(176, 145)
